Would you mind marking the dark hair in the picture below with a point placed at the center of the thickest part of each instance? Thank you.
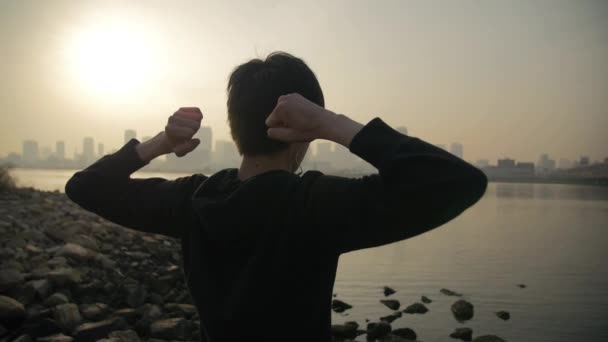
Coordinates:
(253, 90)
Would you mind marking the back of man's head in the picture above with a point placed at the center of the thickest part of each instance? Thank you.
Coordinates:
(253, 90)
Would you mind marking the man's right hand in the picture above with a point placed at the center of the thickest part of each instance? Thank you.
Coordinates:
(296, 119)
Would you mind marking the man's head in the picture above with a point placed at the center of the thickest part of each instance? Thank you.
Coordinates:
(253, 90)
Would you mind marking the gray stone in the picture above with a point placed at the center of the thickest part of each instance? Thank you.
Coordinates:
(171, 329)
(465, 334)
(64, 277)
(462, 310)
(98, 330)
(124, 336)
(40, 287)
(67, 316)
(10, 278)
(450, 293)
(74, 251)
(187, 310)
(426, 300)
(377, 330)
(12, 312)
(150, 311)
(55, 338)
(504, 315)
(342, 331)
(392, 317)
(392, 304)
(388, 291)
(93, 312)
(56, 299)
(406, 333)
(339, 306)
(416, 308)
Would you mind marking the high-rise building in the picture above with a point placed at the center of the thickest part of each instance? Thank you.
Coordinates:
(402, 130)
(130, 134)
(226, 154)
(30, 151)
(60, 150)
(88, 149)
(100, 150)
(545, 164)
(457, 149)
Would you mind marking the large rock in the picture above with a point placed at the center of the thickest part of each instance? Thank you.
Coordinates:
(448, 292)
(67, 316)
(504, 315)
(339, 306)
(392, 317)
(170, 329)
(98, 330)
(388, 291)
(9, 279)
(462, 310)
(56, 299)
(392, 304)
(93, 312)
(488, 338)
(74, 251)
(377, 330)
(12, 313)
(465, 334)
(124, 336)
(55, 338)
(416, 308)
(342, 331)
(406, 333)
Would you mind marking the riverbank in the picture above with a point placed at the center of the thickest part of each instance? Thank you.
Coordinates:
(67, 274)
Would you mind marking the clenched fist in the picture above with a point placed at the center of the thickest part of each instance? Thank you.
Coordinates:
(180, 129)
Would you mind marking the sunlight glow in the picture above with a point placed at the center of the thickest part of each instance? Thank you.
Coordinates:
(111, 59)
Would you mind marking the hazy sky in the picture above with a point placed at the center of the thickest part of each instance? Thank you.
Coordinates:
(505, 78)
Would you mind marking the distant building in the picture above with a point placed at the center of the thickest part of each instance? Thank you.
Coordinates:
(545, 164)
(506, 163)
(226, 154)
(88, 149)
(481, 163)
(324, 152)
(402, 130)
(130, 134)
(100, 150)
(584, 161)
(30, 152)
(60, 150)
(457, 149)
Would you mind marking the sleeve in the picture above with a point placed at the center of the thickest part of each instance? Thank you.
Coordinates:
(153, 205)
(418, 187)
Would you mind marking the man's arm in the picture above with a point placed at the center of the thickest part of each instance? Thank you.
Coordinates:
(418, 187)
(154, 205)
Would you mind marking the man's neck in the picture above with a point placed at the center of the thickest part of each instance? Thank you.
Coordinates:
(254, 165)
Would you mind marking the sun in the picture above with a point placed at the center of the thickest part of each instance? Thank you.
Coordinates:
(113, 59)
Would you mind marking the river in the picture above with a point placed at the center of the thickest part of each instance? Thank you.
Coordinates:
(553, 238)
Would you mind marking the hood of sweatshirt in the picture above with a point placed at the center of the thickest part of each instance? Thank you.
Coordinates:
(230, 209)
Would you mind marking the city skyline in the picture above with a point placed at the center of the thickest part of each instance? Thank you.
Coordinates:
(225, 153)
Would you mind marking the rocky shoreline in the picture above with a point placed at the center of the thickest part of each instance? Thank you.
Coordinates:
(69, 275)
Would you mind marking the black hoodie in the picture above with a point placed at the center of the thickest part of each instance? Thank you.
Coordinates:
(260, 255)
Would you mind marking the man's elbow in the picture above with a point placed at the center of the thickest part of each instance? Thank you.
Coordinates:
(73, 190)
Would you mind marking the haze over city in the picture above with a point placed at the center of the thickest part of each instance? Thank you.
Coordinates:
(506, 79)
